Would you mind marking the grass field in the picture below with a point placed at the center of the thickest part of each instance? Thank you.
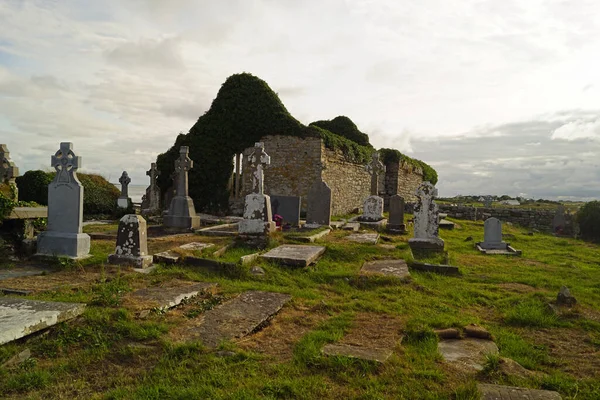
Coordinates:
(109, 353)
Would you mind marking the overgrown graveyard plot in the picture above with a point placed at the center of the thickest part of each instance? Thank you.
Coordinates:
(112, 351)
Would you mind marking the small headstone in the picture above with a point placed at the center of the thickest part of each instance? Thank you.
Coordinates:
(492, 239)
(565, 298)
(151, 200)
(21, 317)
(368, 238)
(318, 208)
(295, 254)
(124, 200)
(64, 236)
(258, 217)
(426, 227)
(395, 268)
(182, 213)
(396, 219)
(132, 243)
(288, 207)
(559, 221)
(8, 171)
(373, 205)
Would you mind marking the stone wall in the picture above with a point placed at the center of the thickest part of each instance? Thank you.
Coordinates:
(350, 183)
(540, 220)
(402, 179)
(296, 163)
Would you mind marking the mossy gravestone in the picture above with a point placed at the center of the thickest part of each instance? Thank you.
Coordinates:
(181, 211)
(426, 226)
(258, 219)
(132, 243)
(64, 235)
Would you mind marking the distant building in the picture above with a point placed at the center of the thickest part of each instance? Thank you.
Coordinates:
(510, 202)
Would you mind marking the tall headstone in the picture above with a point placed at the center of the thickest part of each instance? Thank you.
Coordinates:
(258, 218)
(559, 221)
(132, 243)
(396, 219)
(123, 200)
(492, 235)
(151, 200)
(373, 206)
(318, 205)
(8, 172)
(182, 213)
(426, 226)
(64, 236)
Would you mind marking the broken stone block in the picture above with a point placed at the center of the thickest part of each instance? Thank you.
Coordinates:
(564, 297)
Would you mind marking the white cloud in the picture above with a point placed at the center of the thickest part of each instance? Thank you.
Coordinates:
(578, 130)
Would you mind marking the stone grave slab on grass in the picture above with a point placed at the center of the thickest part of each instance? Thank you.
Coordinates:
(442, 269)
(166, 296)
(469, 353)
(20, 317)
(445, 224)
(237, 318)
(315, 237)
(294, 254)
(363, 353)
(18, 272)
(195, 246)
(337, 224)
(499, 392)
(352, 226)
(368, 238)
(395, 268)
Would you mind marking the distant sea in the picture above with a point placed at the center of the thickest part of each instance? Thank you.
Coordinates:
(135, 192)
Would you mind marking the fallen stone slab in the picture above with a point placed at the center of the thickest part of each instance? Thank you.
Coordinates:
(295, 254)
(195, 246)
(315, 237)
(238, 317)
(219, 230)
(19, 292)
(499, 392)
(445, 224)
(351, 226)
(441, 269)
(368, 238)
(21, 317)
(18, 359)
(469, 354)
(166, 257)
(167, 296)
(19, 272)
(360, 352)
(337, 224)
(395, 268)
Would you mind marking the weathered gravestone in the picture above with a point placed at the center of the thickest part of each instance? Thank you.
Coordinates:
(258, 219)
(426, 222)
(151, 200)
(132, 243)
(288, 207)
(123, 200)
(373, 205)
(182, 213)
(64, 236)
(318, 207)
(8, 172)
(487, 201)
(492, 239)
(396, 220)
(559, 221)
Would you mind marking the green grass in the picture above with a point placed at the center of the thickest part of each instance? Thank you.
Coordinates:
(102, 355)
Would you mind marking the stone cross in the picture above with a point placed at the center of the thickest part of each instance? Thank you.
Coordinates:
(375, 168)
(153, 174)
(8, 170)
(182, 165)
(258, 159)
(426, 212)
(66, 163)
(124, 180)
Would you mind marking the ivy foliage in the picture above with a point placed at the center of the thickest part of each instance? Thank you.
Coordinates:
(343, 126)
(388, 156)
(588, 218)
(99, 195)
(245, 110)
(7, 204)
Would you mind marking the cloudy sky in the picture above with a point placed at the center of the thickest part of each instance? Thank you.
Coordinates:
(501, 97)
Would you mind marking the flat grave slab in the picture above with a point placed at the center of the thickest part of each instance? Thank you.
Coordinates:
(166, 296)
(315, 237)
(395, 268)
(360, 352)
(295, 254)
(19, 272)
(469, 353)
(508, 251)
(351, 226)
(337, 224)
(500, 392)
(238, 317)
(442, 269)
(369, 238)
(166, 257)
(219, 230)
(21, 317)
(195, 246)
(445, 224)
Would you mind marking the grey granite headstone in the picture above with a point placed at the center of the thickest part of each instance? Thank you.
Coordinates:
(64, 236)
(258, 218)
(132, 243)
(396, 219)
(288, 207)
(123, 200)
(8, 171)
(492, 235)
(426, 226)
(151, 200)
(182, 213)
(21, 317)
(318, 207)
